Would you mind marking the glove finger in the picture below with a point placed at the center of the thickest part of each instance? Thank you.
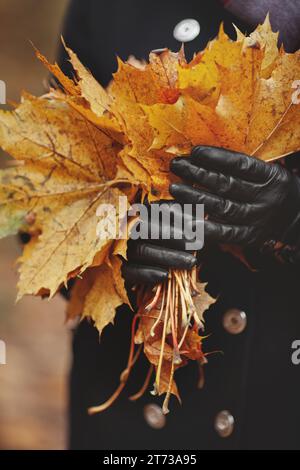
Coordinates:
(136, 274)
(171, 210)
(175, 237)
(172, 229)
(217, 183)
(222, 209)
(153, 255)
(157, 218)
(223, 233)
(232, 163)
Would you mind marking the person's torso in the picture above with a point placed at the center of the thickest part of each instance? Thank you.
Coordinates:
(253, 378)
(101, 31)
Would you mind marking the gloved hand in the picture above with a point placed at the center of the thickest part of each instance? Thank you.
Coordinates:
(149, 260)
(248, 201)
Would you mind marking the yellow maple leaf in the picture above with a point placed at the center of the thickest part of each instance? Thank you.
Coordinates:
(65, 164)
(89, 299)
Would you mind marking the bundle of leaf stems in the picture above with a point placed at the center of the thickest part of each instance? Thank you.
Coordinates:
(177, 314)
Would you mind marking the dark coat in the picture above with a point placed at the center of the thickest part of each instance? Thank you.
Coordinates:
(254, 378)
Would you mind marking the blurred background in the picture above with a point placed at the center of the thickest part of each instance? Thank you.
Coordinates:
(33, 383)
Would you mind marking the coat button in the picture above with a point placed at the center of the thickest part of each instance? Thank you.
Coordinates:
(224, 423)
(154, 416)
(186, 30)
(234, 321)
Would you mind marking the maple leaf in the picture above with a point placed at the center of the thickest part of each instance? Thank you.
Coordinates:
(61, 179)
(89, 299)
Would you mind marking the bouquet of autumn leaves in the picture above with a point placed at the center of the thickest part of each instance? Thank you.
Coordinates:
(81, 145)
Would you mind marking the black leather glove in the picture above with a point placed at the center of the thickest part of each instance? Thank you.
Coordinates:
(248, 201)
(149, 260)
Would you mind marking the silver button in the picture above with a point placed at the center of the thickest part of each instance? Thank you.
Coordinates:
(154, 416)
(224, 423)
(234, 321)
(186, 30)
